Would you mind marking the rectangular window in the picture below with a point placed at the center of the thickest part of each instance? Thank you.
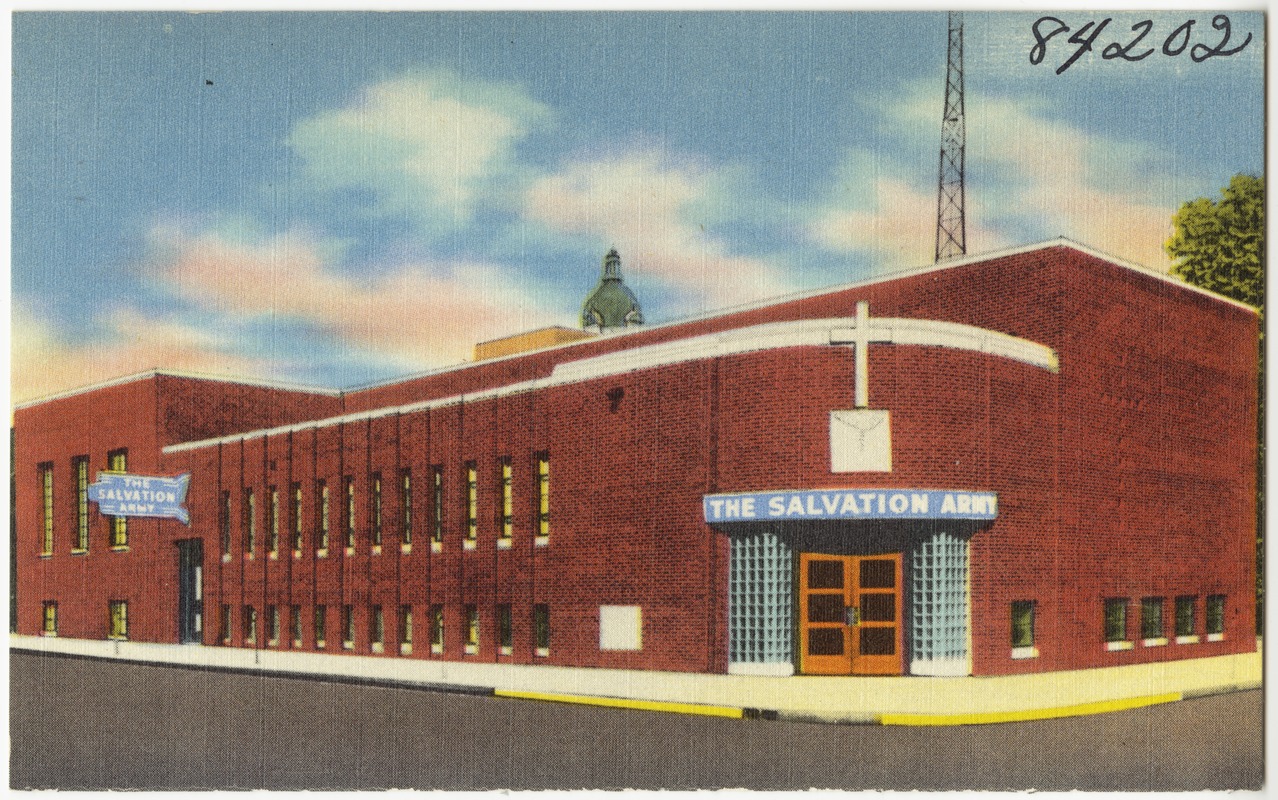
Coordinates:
(437, 475)
(321, 626)
(119, 610)
(224, 523)
(118, 461)
(405, 629)
(507, 510)
(543, 497)
(321, 516)
(437, 629)
(250, 625)
(1116, 622)
(46, 493)
(296, 493)
(375, 508)
(273, 625)
(295, 624)
(472, 630)
(376, 629)
(406, 505)
(250, 522)
(50, 627)
(1151, 621)
(273, 532)
(224, 624)
(1215, 617)
(505, 632)
(348, 627)
(80, 468)
(1023, 629)
(541, 629)
(472, 502)
(349, 485)
(1186, 630)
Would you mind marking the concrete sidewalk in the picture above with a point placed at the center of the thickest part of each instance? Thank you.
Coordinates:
(859, 700)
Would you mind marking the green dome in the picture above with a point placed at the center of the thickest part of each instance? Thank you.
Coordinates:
(611, 304)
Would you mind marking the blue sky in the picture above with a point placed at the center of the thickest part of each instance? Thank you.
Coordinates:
(341, 198)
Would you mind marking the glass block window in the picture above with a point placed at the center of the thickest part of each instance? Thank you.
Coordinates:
(938, 598)
(80, 466)
(1116, 619)
(760, 600)
(1151, 618)
(1215, 614)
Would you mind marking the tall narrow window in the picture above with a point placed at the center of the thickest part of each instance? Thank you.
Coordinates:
(507, 511)
(50, 626)
(348, 627)
(224, 624)
(295, 625)
(472, 630)
(1186, 629)
(273, 532)
(321, 626)
(437, 495)
(376, 629)
(46, 494)
(1151, 621)
(375, 508)
(250, 625)
(1116, 624)
(472, 503)
(349, 485)
(1215, 617)
(296, 493)
(541, 629)
(406, 504)
(80, 468)
(250, 522)
(273, 625)
(1023, 629)
(543, 497)
(224, 524)
(505, 630)
(405, 629)
(119, 611)
(321, 516)
(437, 629)
(118, 461)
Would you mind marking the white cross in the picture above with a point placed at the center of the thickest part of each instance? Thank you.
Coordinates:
(860, 336)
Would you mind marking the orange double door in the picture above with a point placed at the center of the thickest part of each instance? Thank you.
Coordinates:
(850, 614)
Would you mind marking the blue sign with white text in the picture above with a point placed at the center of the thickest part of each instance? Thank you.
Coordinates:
(119, 494)
(850, 504)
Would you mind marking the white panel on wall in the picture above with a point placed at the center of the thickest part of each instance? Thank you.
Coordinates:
(860, 441)
(620, 628)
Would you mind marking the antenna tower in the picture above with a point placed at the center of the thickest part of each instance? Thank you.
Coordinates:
(951, 228)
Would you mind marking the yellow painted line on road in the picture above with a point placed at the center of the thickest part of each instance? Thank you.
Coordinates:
(617, 702)
(1028, 715)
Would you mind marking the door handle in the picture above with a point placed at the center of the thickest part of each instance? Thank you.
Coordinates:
(852, 616)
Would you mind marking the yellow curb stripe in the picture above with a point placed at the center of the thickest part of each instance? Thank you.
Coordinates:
(987, 718)
(617, 702)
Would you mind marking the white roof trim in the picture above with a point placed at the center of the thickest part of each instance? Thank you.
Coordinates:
(155, 373)
(769, 336)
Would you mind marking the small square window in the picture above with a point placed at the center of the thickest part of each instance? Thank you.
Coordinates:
(1023, 612)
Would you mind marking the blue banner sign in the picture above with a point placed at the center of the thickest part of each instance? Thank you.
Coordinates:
(850, 504)
(119, 494)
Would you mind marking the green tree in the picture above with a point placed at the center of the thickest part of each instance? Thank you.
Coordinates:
(1220, 246)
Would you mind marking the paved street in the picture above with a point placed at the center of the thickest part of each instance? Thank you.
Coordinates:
(77, 723)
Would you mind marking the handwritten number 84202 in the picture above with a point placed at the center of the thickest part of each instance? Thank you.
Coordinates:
(1045, 28)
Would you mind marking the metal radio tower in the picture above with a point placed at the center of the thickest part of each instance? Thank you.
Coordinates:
(951, 233)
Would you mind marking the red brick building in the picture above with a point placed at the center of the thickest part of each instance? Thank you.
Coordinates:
(1036, 460)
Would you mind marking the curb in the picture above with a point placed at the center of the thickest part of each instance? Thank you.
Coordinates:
(730, 712)
(1029, 715)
